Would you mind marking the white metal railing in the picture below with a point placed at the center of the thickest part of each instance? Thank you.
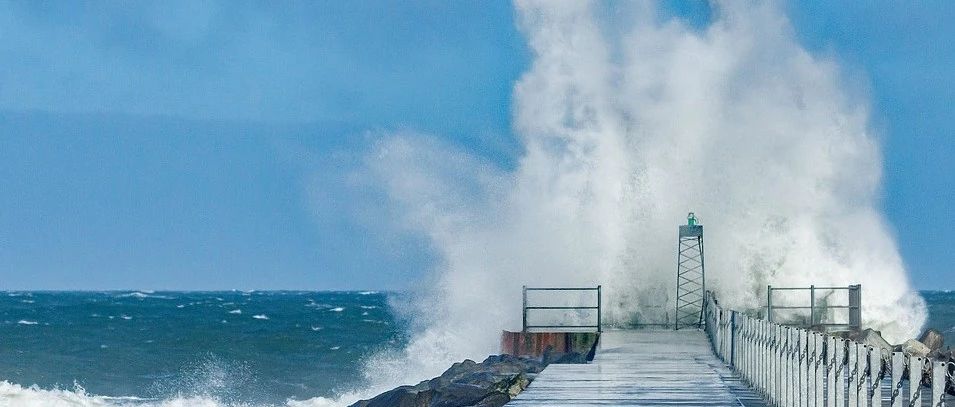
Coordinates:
(794, 367)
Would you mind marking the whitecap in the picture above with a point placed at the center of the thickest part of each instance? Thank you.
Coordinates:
(317, 328)
(126, 317)
(337, 309)
(369, 306)
(260, 316)
(368, 292)
(335, 347)
(143, 295)
(181, 306)
(25, 322)
(235, 311)
(364, 314)
(27, 301)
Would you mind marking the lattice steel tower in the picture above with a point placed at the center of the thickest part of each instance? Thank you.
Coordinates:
(690, 281)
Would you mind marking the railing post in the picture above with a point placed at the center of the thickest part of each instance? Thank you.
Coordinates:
(855, 307)
(915, 380)
(820, 382)
(599, 321)
(898, 366)
(732, 338)
(875, 372)
(832, 372)
(939, 371)
(769, 303)
(863, 367)
(812, 305)
(840, 373)
(524, 329)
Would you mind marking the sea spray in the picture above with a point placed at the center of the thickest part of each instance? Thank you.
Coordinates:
(622, 135)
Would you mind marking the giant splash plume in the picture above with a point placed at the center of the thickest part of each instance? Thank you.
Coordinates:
(625, 128)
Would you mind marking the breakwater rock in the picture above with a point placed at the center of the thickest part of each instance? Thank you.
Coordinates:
(491, 383)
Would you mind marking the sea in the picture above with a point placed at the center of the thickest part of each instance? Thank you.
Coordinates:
(234, 348)
(230, 348)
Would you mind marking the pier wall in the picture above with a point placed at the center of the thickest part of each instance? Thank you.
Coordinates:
(539, 344)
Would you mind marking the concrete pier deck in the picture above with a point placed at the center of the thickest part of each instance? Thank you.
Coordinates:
(642, 368)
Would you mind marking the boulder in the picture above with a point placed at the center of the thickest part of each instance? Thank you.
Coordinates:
(403, 396)
(872, 338)
(933, 339)
(913, 347)
(491, 383)
(943, 355)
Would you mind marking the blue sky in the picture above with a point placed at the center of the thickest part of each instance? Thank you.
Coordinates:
(203, 145)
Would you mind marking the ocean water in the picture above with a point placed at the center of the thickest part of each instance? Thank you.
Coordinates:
(207, 348)
(941, 313)
(216, 348)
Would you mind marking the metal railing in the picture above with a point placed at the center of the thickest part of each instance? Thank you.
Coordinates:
(596, 307)
(816, 311)
(796, 367)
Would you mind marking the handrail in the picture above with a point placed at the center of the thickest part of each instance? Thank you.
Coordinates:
(791, 366)
(854, 307)
(596, 307)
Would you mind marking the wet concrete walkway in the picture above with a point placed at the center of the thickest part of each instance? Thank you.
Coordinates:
(642, 368)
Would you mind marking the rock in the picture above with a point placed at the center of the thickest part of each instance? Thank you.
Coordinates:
(404, 396)
(872, 338)
(933, 339)
(943, 355)
(491, 383)
(913, 347)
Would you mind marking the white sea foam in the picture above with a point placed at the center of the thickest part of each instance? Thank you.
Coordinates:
(337, 309)
(367, 292)
(260, 316)
(235, 311)
(25, 322)
(627, 125)
(142, 295)
(15, 395)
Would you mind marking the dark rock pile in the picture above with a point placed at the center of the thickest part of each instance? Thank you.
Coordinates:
(491, 383)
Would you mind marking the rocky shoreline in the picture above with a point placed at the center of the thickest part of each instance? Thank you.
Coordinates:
(491, 383)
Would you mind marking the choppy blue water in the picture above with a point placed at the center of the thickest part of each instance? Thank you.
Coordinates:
(941, 312)
(256, 348)
(231, 348)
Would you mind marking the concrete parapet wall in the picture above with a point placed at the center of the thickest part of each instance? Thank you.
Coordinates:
(539, 344)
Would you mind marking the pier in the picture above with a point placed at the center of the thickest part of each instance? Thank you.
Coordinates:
(643, 368)
(741, 360)
(723, 357)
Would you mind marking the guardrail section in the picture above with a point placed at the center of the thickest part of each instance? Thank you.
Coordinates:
(591, 312)
(792, 366)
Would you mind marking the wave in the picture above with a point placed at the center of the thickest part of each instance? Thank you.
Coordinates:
(12, 394)
(25, 322)
(143, 295)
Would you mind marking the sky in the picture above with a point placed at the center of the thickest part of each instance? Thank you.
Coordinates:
(209, 145)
